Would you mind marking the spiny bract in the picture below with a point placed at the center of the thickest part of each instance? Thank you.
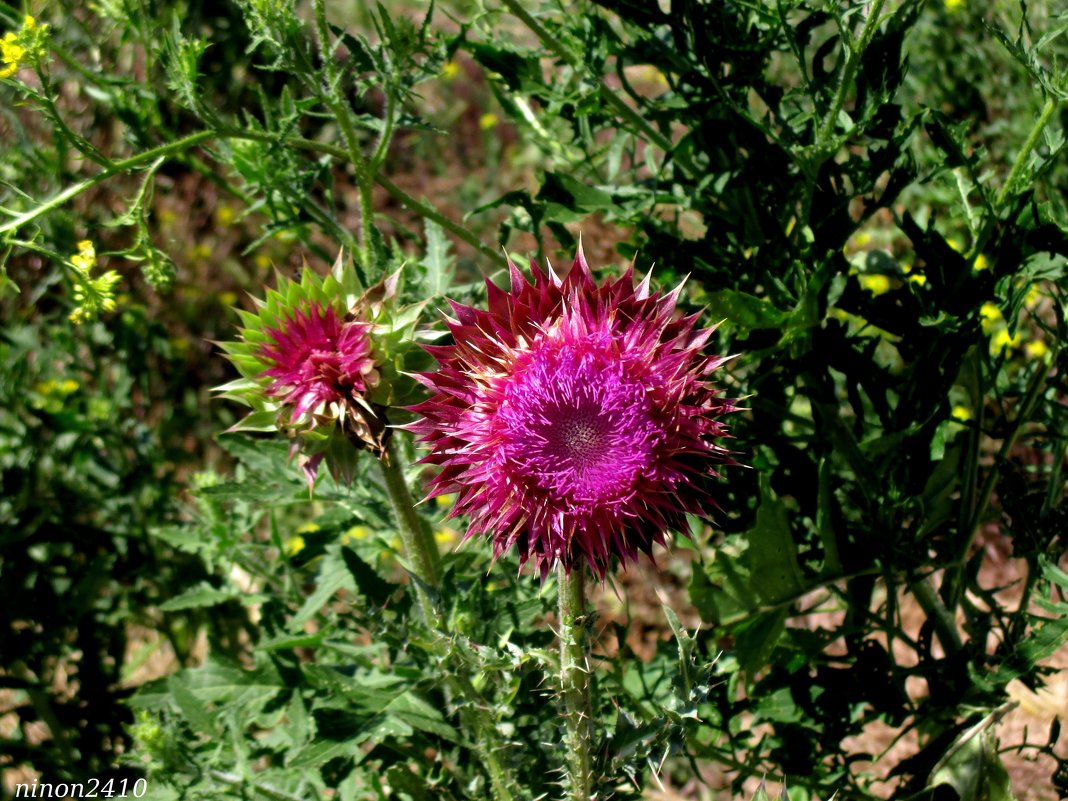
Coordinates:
(320, 361)
(574, 421)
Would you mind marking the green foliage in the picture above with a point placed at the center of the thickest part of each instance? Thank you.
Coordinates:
(790, 158)
(84, 475)
(349, 684)
(869, 195)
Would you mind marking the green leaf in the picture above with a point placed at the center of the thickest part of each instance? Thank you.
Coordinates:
(198, 597)
(369, 691)
(974, 769)
(744, 311)
(334, 575)
(369, 583)
(243, 691)
(192, 708)
(772, 554)
(420, 715)
(322, 751)
(756, 640)
(440, 266)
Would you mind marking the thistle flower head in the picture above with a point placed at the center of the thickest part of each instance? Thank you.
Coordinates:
(318, 362)
(316, 359)
(575, 421)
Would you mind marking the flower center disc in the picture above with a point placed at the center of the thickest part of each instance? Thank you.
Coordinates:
(576, 425)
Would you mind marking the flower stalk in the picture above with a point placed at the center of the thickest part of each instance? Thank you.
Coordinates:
(422, 553)
(418, 543)
(575, 682)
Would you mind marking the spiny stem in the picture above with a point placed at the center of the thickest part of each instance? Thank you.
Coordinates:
(575, 682)
(72, 191)
(856, 52)
(418, 543)
(421, 208)
(429, 212)
(343, 114)
(423, 554)
(611, 98)
(951, 584)
(1044, 117)
(1024, 154)
(941, 618)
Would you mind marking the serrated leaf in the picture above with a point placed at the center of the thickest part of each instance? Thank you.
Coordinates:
(772, 553)
(197, 598)
(744, 311)
(368, 691)
(374, 588)
(191, 708)
(334, 575)
(319, 753)
(974, 770)
(440, 266)
(420, 715)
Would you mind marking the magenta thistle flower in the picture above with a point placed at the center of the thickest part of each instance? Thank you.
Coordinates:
(316, 360)
(574, 421)
(320, 360)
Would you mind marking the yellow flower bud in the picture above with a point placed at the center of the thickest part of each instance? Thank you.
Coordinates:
(1036, 349)
(876, 284)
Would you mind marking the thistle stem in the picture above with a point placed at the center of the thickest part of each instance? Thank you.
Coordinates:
(343, 114)
(855, 51)
(422, 552)
(418, 543)
(575, 683)
(1022, 157)
(617, 104)
(180, 146)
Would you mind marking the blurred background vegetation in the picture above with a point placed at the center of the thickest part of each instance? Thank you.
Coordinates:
(850, 197)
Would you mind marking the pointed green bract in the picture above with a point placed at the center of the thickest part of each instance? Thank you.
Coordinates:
(321, 361)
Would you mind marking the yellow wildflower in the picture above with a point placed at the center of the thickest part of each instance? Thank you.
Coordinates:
(445, 536)
(202, 251)
(24, 48)
(85, 258)
(445, 501)
(450, 70)
(262, 261)
(12, 53)
(875, 283)
(954, 243)
(225, 215)
(295, 545)
(917, 278)
(1033, 296)
(308, 528)
(1036, 349)
(488, 120)
(954, 5)
(1003, 340)
(982, 262)
(91, 295)
(227, 298)
(355, 533)
(991, 316)
(962, 414)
